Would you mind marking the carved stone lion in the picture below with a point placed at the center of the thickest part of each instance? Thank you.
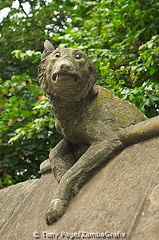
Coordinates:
(92, 121)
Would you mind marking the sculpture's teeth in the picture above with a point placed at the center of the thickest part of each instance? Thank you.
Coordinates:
(57, 75)
(67, 76)
(54, 76)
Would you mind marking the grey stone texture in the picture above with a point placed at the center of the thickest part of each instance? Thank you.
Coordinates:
(122, 196)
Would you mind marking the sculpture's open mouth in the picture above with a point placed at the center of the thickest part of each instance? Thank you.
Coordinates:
(61, 75)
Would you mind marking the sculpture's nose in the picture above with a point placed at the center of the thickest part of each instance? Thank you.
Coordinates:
(66, 66)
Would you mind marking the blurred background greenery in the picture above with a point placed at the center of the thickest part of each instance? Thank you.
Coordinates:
(122, 39)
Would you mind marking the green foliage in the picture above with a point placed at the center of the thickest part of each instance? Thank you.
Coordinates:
(27, 130)
(26, 28)
(122, 39)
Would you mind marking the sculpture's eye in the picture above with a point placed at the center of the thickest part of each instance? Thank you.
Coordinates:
(78, 56)
(57, 54)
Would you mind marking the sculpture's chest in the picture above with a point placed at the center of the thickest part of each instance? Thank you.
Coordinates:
(73, 130)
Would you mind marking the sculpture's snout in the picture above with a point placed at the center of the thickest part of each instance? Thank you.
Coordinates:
(66, 66)
(65, 70)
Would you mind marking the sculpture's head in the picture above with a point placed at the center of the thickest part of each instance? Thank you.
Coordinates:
(65, 73)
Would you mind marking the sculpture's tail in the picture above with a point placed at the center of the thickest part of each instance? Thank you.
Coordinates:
(140, 131)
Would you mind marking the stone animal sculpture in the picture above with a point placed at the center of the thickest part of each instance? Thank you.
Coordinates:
(95, 124)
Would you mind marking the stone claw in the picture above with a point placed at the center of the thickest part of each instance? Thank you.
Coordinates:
(56, 210)
(45, 167)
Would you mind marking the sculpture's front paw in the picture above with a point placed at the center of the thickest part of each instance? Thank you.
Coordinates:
(56, 210)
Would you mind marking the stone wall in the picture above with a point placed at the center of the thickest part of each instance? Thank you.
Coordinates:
(122, 197)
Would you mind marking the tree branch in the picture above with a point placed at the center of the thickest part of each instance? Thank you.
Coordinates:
(21, 6)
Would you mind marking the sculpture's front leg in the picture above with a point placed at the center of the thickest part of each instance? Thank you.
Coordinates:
(78, 173)
(61, 158)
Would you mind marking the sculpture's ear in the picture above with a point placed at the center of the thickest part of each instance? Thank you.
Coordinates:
(48, 48)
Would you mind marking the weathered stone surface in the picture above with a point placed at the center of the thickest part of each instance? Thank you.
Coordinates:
(123, 196)
(89, 117)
